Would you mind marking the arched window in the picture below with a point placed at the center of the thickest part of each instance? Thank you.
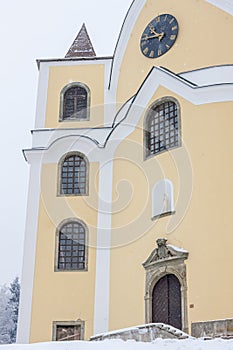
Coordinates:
(162, 199)
(162, 130)
(75, 102)
(72, 246)
(74, 175)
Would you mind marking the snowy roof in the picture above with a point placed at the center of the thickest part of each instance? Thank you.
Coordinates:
(82, 46)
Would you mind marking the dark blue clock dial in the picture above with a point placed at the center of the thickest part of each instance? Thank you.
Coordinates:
(159, 36)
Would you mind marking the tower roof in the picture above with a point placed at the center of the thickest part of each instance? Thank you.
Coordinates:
(82, 46)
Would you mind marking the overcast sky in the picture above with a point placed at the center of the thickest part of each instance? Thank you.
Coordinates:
(31, 29)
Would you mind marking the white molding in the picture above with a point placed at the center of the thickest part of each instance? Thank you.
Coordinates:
(123, 40)
(109, 100)
(210, 75)
(128, 117)
(62, 146)
(225, 5)
(102, 284)
(161, 77)
(42, 96)
(75, 63)
(44, 138)
(27, 278)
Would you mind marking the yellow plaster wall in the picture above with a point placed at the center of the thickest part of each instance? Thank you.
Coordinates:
(59, 77)
(65, 295)
(205, 230)
(201, 42)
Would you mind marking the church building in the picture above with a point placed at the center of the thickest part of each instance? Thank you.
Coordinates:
(129, 217)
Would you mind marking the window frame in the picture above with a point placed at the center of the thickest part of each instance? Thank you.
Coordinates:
(58, 229)
(62, 101)
(59, 182)
(68, 323)
(147, 154)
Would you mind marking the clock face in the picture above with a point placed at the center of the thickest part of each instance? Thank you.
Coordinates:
(159, 36)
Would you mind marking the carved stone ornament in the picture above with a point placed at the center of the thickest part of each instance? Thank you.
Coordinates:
(163, 252)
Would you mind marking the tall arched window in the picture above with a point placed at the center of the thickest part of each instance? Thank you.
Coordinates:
(71, 246)
(162, 129)
(74, 175)
(75, 102)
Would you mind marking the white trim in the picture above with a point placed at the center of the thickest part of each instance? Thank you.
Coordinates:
(59, 63)
(225, 5)
(44, 138)
(109, 101)
(42, 97)
(65, 145)
(27, 279)
(123, 40)
(210, 75)
(197, 95)
(102, 284)
(129, 115)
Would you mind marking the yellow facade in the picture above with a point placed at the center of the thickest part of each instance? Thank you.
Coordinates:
(117, 210)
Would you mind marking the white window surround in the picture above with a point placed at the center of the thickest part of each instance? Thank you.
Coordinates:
(162, 199)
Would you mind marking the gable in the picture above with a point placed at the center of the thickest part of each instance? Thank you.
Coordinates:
(200, 42)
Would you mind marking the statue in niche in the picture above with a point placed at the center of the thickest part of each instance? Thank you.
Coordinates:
(165, 203)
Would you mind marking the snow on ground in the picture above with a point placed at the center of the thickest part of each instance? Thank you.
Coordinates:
(158, 344)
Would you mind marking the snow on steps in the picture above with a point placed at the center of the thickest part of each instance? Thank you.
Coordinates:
(144, 333)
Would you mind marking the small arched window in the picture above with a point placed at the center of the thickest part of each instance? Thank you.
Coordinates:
(75, 102)
(74, 175)
(162, 130)
(72, 246)
(162, 199)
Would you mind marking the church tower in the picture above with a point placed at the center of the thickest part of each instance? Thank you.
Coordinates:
(130, 191)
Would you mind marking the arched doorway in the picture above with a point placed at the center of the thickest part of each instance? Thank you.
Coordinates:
(166, 301)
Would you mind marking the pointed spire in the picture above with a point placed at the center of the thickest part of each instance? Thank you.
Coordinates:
(82, 46)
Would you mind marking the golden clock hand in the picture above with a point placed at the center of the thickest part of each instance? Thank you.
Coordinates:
(157, 35)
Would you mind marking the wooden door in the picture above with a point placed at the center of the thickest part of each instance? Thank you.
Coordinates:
(166, 301)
